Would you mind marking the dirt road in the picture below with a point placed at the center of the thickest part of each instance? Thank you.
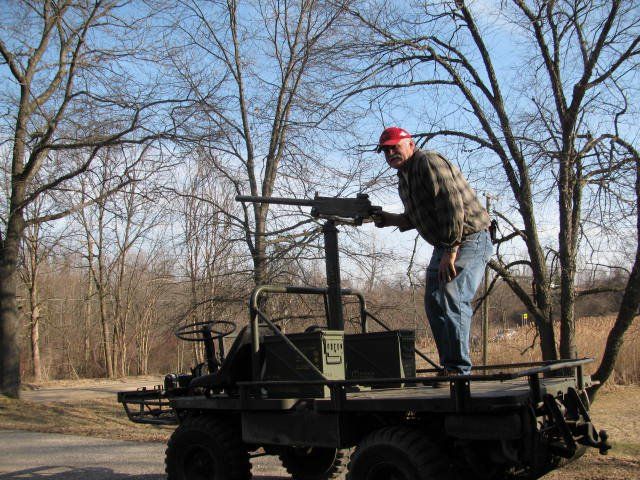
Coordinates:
(56, 457)
(34, 455)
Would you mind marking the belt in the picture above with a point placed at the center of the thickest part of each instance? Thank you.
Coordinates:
(473, 233)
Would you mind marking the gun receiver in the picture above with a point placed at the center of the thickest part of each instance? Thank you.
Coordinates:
(356, 209)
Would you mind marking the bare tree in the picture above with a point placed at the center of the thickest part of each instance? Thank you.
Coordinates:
(631, 296)
(69, 94)
(119, 242)
(215, 271)
(557, 128)
(39, 241)
(94, 228)
(150, 305)
(134, 251)
(262, 86)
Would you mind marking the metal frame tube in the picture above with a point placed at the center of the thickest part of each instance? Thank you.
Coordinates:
(545, 367)
(255, 315)
(418, 352)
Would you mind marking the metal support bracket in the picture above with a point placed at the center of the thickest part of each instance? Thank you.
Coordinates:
(569, 448)
(534, 388)
(460, 389)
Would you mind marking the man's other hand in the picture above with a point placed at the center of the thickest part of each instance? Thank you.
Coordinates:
(447, 269)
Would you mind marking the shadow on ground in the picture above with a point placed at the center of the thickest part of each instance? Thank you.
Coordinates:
(91, 473)
(75, 473)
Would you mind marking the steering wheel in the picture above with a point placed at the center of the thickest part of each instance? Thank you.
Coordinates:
(195, 332)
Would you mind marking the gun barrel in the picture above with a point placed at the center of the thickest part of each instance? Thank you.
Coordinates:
(279, 200)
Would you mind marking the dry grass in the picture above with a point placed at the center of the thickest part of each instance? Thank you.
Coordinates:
(96, 418)
(521, 345)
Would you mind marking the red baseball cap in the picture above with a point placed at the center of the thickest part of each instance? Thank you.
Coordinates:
(391, 136)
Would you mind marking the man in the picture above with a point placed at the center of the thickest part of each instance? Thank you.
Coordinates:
(440, 204)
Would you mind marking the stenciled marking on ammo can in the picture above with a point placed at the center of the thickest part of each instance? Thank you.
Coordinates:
(333, 350)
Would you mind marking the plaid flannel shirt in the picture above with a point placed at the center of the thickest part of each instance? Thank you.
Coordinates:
(438, 201)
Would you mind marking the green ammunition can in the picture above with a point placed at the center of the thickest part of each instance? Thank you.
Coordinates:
(380, 355)
(325, 349)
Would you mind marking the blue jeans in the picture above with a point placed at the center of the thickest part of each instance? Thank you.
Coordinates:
(448, 305)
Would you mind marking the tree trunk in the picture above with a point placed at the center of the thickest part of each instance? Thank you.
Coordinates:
(31, 279)
(143, 334)
(260, 255)
(9, 320)
(35, 333)
(87, 307)
(545, 330)
(567, 253)
(101, 284)
(542, 292)
(105, 334)
(9, 255)
(87, 327)
(115, 342)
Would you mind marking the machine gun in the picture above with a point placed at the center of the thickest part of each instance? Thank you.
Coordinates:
(352, 211)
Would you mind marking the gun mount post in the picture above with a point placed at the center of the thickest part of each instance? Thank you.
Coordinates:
(335, 319)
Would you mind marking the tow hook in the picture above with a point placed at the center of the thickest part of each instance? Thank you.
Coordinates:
(594, 439)
(603, 445)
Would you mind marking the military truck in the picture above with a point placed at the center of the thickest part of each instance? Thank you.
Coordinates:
(331, 404)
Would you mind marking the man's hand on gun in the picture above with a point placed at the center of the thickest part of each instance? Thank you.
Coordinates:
(383, 219)
(380, 219)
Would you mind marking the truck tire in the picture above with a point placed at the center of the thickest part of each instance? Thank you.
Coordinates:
(399, 453)
(315, 463)
(207, 448)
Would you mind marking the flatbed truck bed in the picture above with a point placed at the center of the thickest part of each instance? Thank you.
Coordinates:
(470, 393)
(489, 396)
(486, 396)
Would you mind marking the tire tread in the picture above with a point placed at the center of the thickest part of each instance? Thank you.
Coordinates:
(224, 432)
(337, 470)
(425, 455)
